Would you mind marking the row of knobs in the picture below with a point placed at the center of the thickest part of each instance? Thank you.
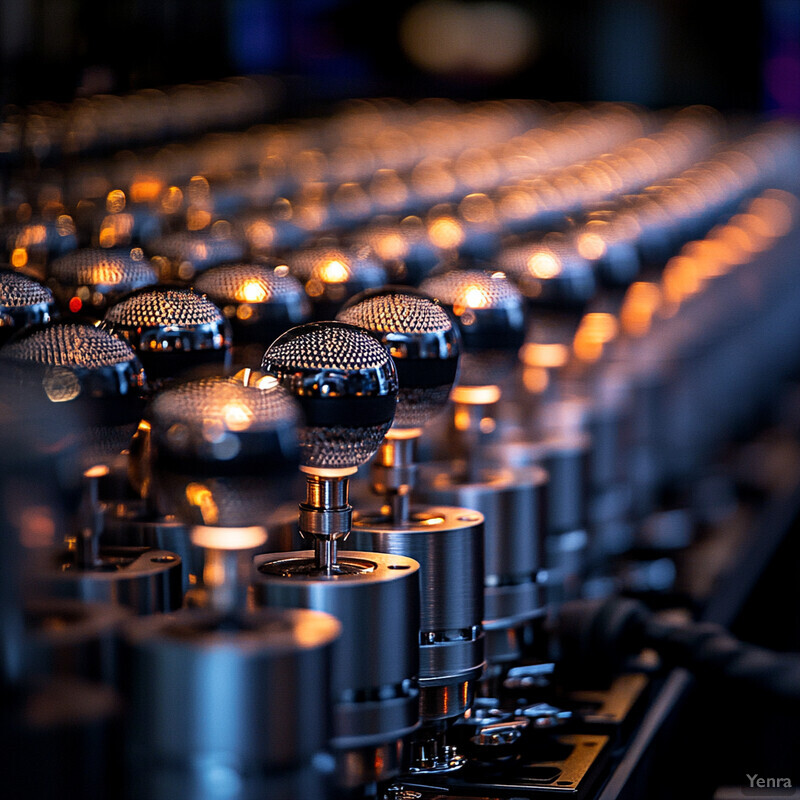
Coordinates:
(194, 385)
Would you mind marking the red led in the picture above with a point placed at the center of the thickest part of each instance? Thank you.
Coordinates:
(75, 304)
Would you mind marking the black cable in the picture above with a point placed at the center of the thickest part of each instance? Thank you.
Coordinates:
(604, 634)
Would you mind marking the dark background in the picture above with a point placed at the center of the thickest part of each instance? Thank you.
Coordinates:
(735, 56)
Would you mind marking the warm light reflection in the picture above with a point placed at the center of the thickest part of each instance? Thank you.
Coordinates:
(712, 255)
(734, 240)
(518, 204)
(403, 433)
(544, 265)
(681, 279)
(333, 271)
(116, 229)
(474, 297)
(115, 201)
(198, 189)
(237, 416)
(778, 209)
(197, 218)
(390, 246)
(445, 233)
(260, 234)
(552, 355)
(487, 425)
(595, 330)
(591, 246)
(461, 419)
(535, 379)
(199, 496)
(475, 395)
(477, 208)
(266, 382)
(757, 229)
(145, 189)
(252, 290)
(172, 200)
(388, 189)
(32, 235)
(214, 538)
(37, 527)
(641, 301)
(19, 257)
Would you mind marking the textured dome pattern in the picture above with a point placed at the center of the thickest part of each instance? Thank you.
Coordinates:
(472, 288)
(336, 265)
(97, 267)
(397, 312)
(328, 346)
(197, 248)
(18, 291)
(248, 283)
(77, 345)
(416, 406)
(335, 447)
(543, 260)
(227, 404)
(161, 306)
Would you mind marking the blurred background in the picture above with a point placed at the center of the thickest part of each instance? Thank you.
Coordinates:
(736, 57)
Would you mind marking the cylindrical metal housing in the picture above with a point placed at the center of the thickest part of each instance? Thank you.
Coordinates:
(448, 544)
(148, 582)
(216, 702)
(512, 503)
(565, 459)
(132, 526)
(376, 660)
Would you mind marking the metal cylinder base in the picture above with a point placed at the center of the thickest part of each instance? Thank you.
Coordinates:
(376, 599)
(228, 701)
(448, 544)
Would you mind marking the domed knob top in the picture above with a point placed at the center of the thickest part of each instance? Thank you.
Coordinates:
(221, 451)
(222, 422)
(347, 385)
(91, 278)
(424, 343)
(172, 329)
(74, 345)
(23, 301)
(79, 365)
(491, 316)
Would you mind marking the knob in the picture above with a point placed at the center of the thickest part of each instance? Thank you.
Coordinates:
(219, 446)
(23, 301)
(173, 331)
(491, 317)
(332, 274)
(490, 312)
(88, 280)
(100, 375)
(425, 345)
(346, 383)
(220, 454)
(181, 255)
(260, 300)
